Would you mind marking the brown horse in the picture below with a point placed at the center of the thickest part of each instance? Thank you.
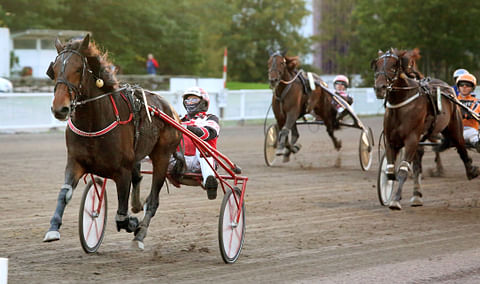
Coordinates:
(412, 116)
(108, 132)
(290, 100)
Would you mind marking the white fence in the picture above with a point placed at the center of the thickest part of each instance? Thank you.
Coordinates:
(31, 111)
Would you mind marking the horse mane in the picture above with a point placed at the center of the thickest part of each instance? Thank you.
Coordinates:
(99, 63)
(292, 62)
(408, 59)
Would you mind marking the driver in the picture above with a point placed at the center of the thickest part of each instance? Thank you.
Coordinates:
(457, 74)
(206, 126)
(466, 83)
(340, 83)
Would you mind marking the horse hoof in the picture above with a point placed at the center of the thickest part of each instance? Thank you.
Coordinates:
(279, 152)
(436, 173)
(51, 236)
(138, 245)
(416, 201)
(473, 173)
(296, 148)
(286, 159)
(395, 205)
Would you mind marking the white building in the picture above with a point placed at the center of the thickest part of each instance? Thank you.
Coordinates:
(34, 49)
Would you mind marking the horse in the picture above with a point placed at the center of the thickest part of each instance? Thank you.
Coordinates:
(291, 101)
(108, 133)
(412, 116)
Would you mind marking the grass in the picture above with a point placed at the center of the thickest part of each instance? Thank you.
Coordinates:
(246, 86)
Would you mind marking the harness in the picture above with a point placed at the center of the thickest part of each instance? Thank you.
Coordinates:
(126, 92)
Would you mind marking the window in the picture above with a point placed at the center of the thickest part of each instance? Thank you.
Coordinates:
(24, 44)
(47, 44)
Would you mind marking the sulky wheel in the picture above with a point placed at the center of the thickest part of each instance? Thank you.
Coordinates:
(270, 144)
(231, 232)
(384, 185)
(365, 149)
(92, 217)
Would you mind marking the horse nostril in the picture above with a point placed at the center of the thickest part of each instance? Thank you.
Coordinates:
(65, 110)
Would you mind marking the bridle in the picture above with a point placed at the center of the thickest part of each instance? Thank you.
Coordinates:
(64, 56)
(274, 68)
(390, 80)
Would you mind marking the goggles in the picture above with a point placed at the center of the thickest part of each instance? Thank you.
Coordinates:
(192, 100)
(465, 84)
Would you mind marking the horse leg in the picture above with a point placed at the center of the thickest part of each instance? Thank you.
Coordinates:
(136, 180)
(410, 152)
(160, 165)
(454, 133)
(294, 147)
(73, 173)
(289, 124)
(439, 170)
(123, 220)
(330, 124)
(416, 199)
(282, 141)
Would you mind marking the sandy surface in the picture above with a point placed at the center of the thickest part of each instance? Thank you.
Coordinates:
(306, 221)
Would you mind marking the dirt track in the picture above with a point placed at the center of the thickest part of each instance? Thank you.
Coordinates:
(307, 221)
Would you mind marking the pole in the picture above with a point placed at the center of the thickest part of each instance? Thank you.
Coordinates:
(224, 77)
(3, 270)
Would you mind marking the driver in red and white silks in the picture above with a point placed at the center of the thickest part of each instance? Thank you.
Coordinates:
(466, 83)
(206, 126)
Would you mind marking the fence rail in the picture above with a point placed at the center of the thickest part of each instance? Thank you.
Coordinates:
(31, 111)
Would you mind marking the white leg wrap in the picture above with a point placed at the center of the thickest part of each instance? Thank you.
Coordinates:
(390, 169)
(205, 167)
(405, 166)
(69, 193)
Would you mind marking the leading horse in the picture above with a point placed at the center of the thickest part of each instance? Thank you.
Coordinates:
(291, 101)
(109, 131)
(413, 115)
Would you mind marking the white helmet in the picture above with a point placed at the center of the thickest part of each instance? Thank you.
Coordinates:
(458, 73)
(200, 106)
(341, 79)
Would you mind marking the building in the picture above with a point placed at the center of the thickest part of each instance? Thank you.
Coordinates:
(33, 50)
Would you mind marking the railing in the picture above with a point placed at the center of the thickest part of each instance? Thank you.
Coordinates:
(31, 111)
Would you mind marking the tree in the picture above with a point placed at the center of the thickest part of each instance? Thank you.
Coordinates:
(443, 30)
(257, 26)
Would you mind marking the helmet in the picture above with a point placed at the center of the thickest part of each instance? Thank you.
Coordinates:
(202, 105)
(467, 78)
(340, 79)
(459, 72)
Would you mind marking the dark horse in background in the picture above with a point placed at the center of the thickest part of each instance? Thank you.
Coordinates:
(108, 132)
(290, 102)
(411, 116)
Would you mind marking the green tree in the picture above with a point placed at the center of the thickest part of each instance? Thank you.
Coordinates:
(257, 26)
(443, 31)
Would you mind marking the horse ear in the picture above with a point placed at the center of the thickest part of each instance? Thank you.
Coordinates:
(58, 45)
(284, 52)
(416, 53)
(380, 52)
(85, 42)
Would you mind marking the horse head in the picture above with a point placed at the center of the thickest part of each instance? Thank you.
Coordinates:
(276, 68)
(388, 68)
(79, 72)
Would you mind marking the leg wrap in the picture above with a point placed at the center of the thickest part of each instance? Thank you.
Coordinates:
(390, 171)
(66, 193)
(405, 166)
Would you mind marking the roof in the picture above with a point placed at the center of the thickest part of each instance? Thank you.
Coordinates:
(48, 34)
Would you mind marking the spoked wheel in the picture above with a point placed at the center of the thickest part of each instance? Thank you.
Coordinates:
(270, 144)
(231, 232)
(384, 185)
(92, 217)
(365, 149)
